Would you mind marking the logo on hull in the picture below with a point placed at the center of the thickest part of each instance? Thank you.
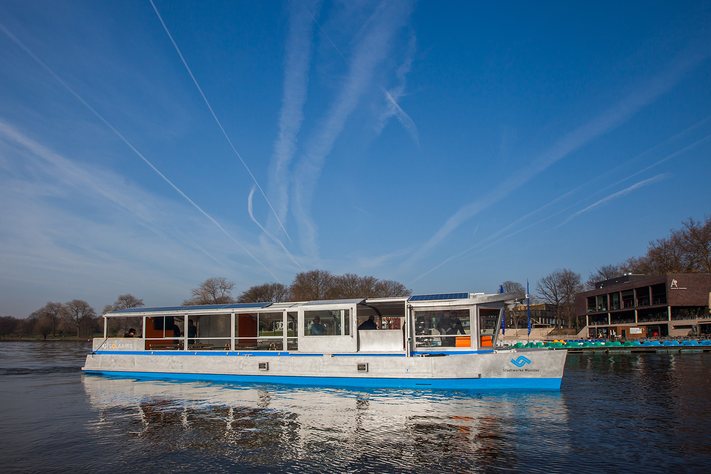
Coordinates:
(521, 361)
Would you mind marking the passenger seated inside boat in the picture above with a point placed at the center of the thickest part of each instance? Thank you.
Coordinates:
(369, 324)
(131, 333)
(317, 329)
(192, 332)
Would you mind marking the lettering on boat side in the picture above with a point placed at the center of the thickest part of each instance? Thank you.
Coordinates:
(521, 361)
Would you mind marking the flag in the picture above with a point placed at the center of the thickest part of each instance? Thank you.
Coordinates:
(528, 308)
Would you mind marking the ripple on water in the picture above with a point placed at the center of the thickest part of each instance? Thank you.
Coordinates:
(625, 412)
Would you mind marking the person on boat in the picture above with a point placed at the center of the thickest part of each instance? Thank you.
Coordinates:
(449, 324)
(131, 333)
(317, 329)
(176, 333)
(423, 325)
(192, 331)
(369, 324)
(443, 326)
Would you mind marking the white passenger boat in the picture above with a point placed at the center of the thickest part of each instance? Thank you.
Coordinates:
(443, 341)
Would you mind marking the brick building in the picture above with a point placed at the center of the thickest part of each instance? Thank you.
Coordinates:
(635, 306)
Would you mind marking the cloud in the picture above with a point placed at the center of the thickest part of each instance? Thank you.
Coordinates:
(371, 48)
(644, 94)
(299, 48)
(70, 231)
(30, 144)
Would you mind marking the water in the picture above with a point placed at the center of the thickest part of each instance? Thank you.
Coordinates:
(633, 413)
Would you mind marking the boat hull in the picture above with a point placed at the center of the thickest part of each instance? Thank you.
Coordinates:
(490, 370)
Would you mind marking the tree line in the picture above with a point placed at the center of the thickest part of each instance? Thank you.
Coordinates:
(307, 286)
(78, 318)
(684, 250)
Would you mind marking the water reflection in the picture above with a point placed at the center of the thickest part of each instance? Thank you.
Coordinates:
(274, 427)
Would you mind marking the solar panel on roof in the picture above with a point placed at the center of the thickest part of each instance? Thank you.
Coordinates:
(442, 296)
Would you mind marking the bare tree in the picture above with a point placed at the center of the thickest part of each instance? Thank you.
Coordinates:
(266, 293)
(54, 312)
(125, 302)
(603, 273)
(558, 289)
(695, 242)
(77, 313)
(390, 288)
(121, 325)
(216, 290)
(312, 285)
(44, 327)
(351, 285)
(8, 325)
(512, 286)
(686, 250)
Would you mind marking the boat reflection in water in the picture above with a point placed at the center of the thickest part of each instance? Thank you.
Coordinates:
(212, 426)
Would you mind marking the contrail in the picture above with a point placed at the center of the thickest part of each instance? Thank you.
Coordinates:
(298, 57)
(216, 120)
(606, 199)
(368, 53)
(490, 237)
(118, 134)
(404, 119)
(329, 39)
(251, 215)
(614, 116)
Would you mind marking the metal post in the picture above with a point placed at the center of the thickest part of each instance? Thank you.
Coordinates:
(185, 332)
(232, 331)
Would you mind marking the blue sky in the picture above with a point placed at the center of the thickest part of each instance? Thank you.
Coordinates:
(145, 147)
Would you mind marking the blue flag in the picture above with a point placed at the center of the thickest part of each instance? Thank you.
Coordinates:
(528, 308)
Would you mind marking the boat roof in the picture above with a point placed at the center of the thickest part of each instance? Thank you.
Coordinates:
(221, 308)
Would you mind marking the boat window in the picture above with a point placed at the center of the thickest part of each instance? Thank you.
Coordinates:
(332, 322)
(270, 331)
(488, 319)
(446, 328)
(292, 339)
(206, 332)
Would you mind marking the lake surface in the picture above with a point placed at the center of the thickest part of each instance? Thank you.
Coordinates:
(633, 413)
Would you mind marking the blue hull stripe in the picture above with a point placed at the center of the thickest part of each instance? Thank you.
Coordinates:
(437, 384)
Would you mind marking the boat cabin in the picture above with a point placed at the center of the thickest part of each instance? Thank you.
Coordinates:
(456, 322)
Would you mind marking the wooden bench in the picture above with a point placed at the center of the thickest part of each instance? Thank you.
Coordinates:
(164, 347)
(201, 346)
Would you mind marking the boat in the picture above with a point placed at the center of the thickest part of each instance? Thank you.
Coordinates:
(437, 341)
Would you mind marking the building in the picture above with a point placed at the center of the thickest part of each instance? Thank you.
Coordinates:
(635, 306)
(542, 316)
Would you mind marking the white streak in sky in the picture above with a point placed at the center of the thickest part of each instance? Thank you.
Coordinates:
(277, 241)
(404, 119)
(609, 198)
(392, 97)
(368, 53)
(489, 240)
(116, 132)
(296, 79)
(94, 184)
(610, 119)
(217, 120)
